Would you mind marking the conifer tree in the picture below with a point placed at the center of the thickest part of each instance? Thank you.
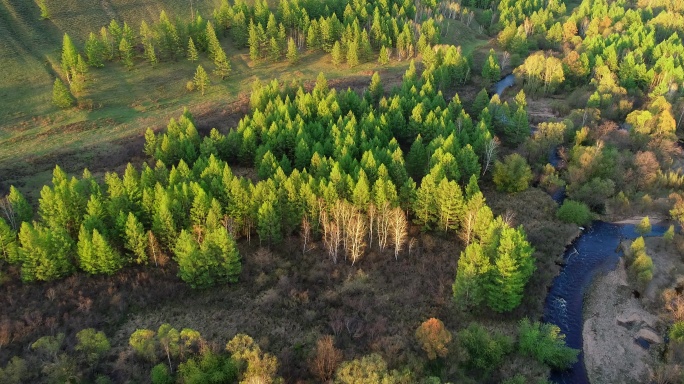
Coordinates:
(126, 53)
(44, 11)
(135, 239)
(292, 52)
(61, 96)
(221, 63)
(192, 51)
(268, 223)
(336, 54)
(44, 253)
(201, 79)
(274, 50)
(353, 54)
(8, 243)
(213, 44)
(215, 260)
(69, 56)
(254, 42)
(20, 206)
(384, 57)
(491, 71)
(95, 51)
(471, 275)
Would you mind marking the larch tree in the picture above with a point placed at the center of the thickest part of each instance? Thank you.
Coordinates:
(135, 239)
(353, 54)
(61, 97)
(201, 79)
(95, 51)
(384, 56)
(336, 54)
(69, 56)
(126, 53)
(398, 230)
(192, 51)
(292, 52)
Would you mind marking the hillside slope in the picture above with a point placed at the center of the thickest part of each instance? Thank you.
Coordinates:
(30, 47)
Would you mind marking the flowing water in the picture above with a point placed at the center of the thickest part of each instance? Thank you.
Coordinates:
(595, 251)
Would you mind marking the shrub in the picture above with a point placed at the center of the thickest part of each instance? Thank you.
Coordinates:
(485, 352)
(574, 212)
(546, 344)
(433, 337)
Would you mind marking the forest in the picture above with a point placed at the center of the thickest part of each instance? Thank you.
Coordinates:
(402, 230)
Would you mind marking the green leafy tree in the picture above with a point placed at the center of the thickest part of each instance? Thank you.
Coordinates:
(546, 344)
(513, 175)
(61, 97)
(160, 374)
(95, 254)
(144, 344)
(210, 367)
(201, 79)
(367, 369)
(484, 351)
(92, 344)
(574, 212)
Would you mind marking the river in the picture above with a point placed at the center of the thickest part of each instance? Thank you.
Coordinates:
(595, 251)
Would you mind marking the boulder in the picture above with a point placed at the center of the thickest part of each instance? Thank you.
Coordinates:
(628, 320)
(649, 335)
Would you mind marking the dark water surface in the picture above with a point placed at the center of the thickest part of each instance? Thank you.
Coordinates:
(595, 251)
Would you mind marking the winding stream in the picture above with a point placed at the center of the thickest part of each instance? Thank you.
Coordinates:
(595, 251)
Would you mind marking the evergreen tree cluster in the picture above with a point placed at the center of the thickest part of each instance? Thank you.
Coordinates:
(330, 166)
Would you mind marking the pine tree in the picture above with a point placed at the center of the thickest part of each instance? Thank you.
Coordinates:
(213, 44)
(23, 211)
(136, 239)
(274, 50)
(95, 51)
(268, 224)
(221, 63)
(44, 11)
(353, 54)
(61, 96)
(8, 243)
(471, 276)
(126, 53)
(69, 56)
(292, 52)
(481, 101)
(491, 71)
(214, 260)
(201, 79)
(425, 206)
(192, 51)
(254, 42)
(336, 54)
(384, 57)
